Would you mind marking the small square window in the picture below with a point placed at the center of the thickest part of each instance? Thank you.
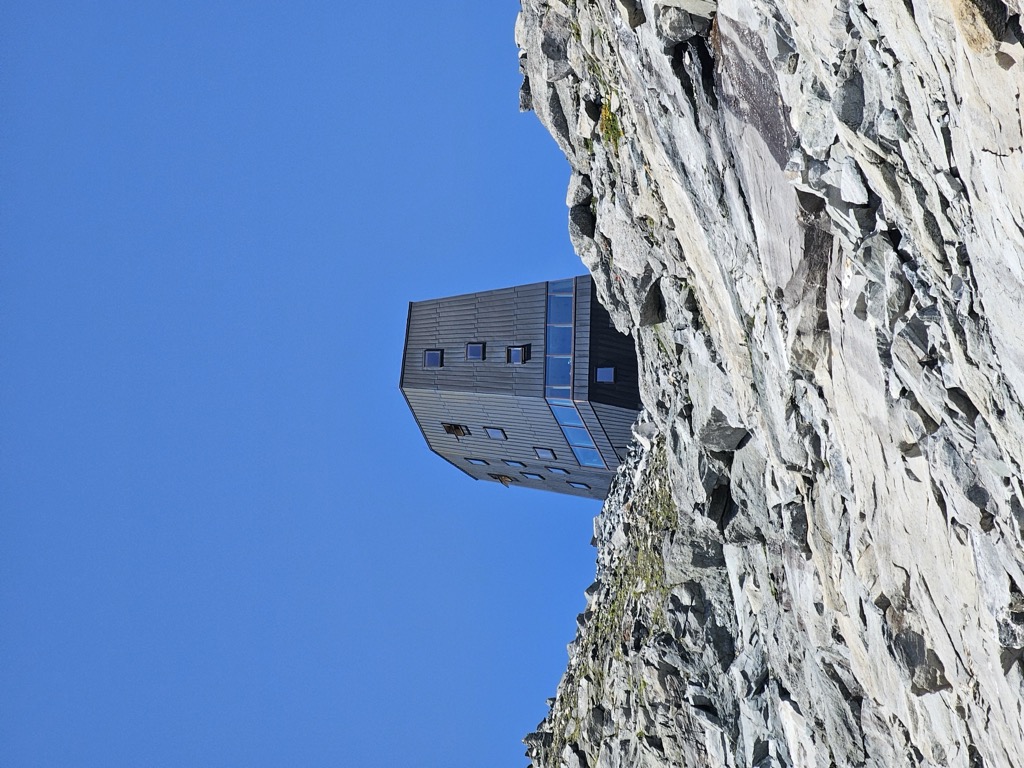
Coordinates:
(459, 430)
(512, 463)
(581, 486)
(532, 475)
(495, 433)
(476, 350)
(477, 462)
(557, 470)
(433, 358)
(606, 375)
(545, 453)
(517, 355)
(503, 479)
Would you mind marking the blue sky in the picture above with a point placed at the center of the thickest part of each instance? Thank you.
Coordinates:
(222, 539)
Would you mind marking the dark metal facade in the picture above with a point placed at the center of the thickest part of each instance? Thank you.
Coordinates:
(489, 416)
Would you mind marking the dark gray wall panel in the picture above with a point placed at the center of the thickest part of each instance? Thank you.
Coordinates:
(608, 347)
(581, 341)
(501, 318)
(527, 422)
(617, 424)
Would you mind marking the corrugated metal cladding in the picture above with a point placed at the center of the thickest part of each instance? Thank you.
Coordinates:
(617, 424)
(500, 319)
(527, 423)
(491, 393)
(581, 342)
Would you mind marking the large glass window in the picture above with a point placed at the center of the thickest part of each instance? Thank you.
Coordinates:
(560, 310)
(559, 340)
(566, 415)
(558, 373)
(577, 436)
(588, 457)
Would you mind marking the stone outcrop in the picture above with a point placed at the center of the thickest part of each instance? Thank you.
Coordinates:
(810, 216)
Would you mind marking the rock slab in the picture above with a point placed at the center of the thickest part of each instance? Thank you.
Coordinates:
(810, 217)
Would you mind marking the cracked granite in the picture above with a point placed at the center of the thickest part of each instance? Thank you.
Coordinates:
(810, 216)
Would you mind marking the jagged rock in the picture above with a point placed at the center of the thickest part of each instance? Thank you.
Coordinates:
(674, 24)
(852, 187)
(810, 216)
(705, 8)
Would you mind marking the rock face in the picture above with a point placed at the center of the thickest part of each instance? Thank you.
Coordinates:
(810, 216)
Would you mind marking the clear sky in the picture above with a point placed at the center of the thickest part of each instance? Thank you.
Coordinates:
(223, 541)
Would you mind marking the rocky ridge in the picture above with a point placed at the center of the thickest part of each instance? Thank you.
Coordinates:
(811, 218)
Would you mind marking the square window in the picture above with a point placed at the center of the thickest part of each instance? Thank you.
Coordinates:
(433, 358)
(512, 463)
(517, 355)
(606, 375)
(477, 462)
(532, 475)
(475, 350)
(459, 430)
(495, 433)
(503, 479)
(557, 470)
(545, 453)
(581, 486)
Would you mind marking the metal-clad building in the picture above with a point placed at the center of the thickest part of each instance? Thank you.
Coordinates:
(529, 386)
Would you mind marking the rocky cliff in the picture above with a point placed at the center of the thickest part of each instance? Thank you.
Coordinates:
(810, 215)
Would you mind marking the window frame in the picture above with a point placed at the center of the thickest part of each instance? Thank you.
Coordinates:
(477, 462)
(457, 430)
(433, 351)
(597, 374)
(522, 349)
(551, 456)
(483, 351)
(489, 431)
(577, 485)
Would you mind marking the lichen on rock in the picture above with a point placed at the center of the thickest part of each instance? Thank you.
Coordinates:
(810, 217)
